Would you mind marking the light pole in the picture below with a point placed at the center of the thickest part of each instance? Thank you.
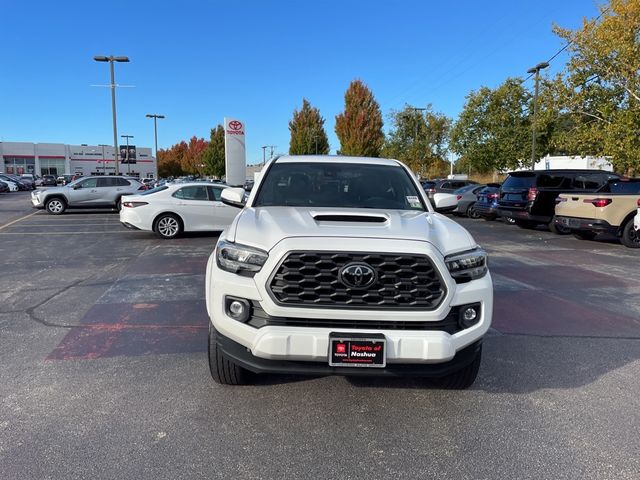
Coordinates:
(264, 153)
(155, 133)
(104, 161)
(535, 70)
(271, 147)
(127, 154)
(111, 59)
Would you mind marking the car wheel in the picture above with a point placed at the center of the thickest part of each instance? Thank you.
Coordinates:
(471, 211)
(558, 229)
(55, 206)
(119, 204)
(168, 226)
(584, 234)
(463, 378)
(630, 236)
(509, 220)
(223, 370)
(525, 224)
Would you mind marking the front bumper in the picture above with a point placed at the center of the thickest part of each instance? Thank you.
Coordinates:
(37, 201)
(311, 344)
(243, 357)
(586, 224)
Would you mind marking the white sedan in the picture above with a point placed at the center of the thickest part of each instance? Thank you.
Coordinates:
(13, 187)
(182, 207)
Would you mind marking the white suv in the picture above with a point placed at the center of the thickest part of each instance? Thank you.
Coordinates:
(338, 265)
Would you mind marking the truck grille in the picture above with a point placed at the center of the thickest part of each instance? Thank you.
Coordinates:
(403, 281)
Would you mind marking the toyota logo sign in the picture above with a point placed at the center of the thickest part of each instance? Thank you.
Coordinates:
(357, 275)
(235, 125)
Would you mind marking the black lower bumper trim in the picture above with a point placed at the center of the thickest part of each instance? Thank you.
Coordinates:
(243, 357)
(129, 226)
(586, 224)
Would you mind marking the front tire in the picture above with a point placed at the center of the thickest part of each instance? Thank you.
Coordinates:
(55, 206)
(168, 226)
(630, 237)
(223, 370)
(464, 377)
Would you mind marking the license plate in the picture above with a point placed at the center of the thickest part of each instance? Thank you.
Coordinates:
(357, 350)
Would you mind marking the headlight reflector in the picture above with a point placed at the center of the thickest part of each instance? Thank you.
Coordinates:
(240, 259)
(467, 266)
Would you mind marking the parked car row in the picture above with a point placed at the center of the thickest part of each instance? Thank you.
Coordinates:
(14, 183)
(582, 202)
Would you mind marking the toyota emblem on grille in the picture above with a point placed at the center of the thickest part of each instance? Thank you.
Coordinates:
(357, 275)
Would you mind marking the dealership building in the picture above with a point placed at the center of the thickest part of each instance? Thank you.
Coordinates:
(58, 159)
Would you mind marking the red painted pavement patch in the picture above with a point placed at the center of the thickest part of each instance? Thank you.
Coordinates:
(133, 329)
(533, 313)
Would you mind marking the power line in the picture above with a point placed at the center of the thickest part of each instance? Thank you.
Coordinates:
(568, 44)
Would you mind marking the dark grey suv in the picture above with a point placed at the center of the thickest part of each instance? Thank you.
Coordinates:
(86, 192)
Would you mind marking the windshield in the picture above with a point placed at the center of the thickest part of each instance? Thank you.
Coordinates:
(346, 185)
(621, 186)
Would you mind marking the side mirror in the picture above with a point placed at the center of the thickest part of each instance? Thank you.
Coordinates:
(234, 197)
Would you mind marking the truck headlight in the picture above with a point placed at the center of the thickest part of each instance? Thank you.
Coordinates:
(240, 259)
(467, 266)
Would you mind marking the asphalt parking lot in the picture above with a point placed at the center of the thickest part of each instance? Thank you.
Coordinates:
(104, 371)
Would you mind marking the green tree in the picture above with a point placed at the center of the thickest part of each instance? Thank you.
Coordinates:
(359, 127)
(213, 156)
(600, 91)
(307, 132)
(493, 131)
(418, 139)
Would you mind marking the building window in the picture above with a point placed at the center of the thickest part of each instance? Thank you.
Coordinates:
(19, 165)
(52, 166)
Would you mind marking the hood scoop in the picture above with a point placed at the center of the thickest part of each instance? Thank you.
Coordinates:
(349, 218)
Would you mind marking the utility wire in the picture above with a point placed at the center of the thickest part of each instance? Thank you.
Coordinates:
(568, 44)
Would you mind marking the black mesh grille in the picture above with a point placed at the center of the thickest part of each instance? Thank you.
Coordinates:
(403, 281)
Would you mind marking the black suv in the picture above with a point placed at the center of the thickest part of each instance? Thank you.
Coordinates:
(529, 197)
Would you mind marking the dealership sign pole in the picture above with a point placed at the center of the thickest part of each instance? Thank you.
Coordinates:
(235, 160)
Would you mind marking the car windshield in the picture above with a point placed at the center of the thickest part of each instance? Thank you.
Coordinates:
(346, 185)
(622, 186)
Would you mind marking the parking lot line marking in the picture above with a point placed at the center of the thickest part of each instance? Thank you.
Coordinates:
(69, 224)
(62, 233)
(18, 220)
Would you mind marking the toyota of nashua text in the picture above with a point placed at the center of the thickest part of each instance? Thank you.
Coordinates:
(339, 265)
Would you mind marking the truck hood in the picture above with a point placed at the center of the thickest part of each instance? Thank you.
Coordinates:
(264, 227)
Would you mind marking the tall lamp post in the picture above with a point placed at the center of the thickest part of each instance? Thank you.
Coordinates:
(111, 59)
(535, 70)
(127, 153)
(155, 134)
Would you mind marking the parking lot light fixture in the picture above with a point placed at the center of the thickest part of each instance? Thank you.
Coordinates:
(535, 70)
(111, 59)
(155, 117)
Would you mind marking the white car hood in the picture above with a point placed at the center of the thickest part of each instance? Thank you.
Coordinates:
(264, 227)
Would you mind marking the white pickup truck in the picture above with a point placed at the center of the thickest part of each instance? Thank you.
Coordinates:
(338, 265)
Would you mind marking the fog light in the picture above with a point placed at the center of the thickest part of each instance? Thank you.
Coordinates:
(469, 315)
(237, 308)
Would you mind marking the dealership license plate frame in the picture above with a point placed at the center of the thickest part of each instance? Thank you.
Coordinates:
(348, 339)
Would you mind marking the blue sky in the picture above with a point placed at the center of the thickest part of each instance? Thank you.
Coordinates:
(198, 61)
